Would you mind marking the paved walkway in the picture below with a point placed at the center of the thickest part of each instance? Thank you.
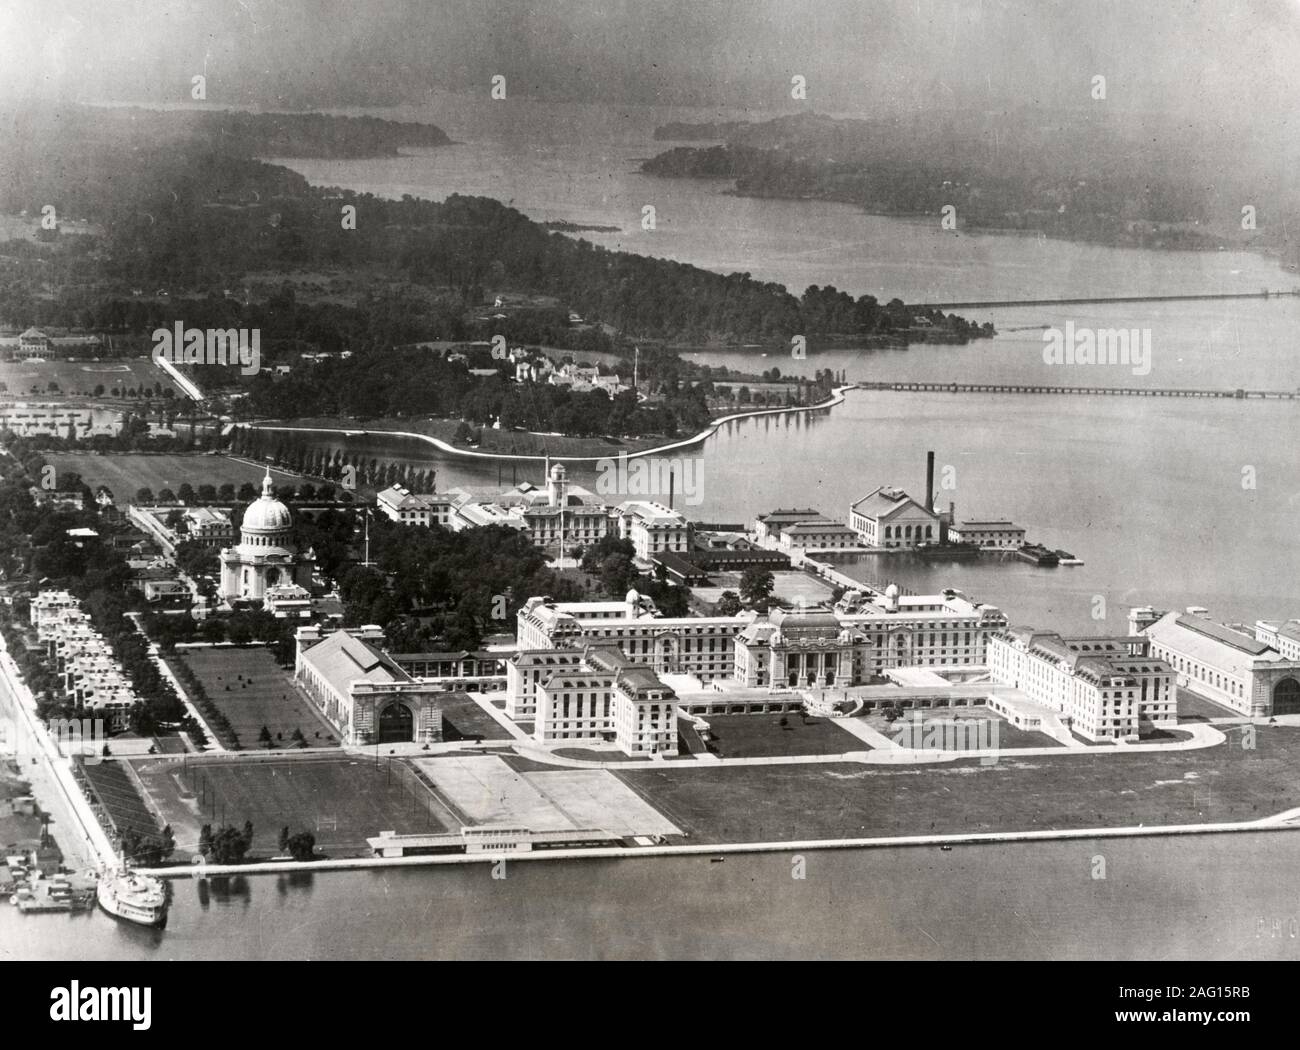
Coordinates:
(794, 846)
(499, 716)
(889, 754)
(214, 742)
(869, 736)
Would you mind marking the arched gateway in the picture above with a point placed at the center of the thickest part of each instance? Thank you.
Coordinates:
(1286, 697)
(396, 724)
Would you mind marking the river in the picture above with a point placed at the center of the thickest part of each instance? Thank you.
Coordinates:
(1148, 492)
(1160, 899)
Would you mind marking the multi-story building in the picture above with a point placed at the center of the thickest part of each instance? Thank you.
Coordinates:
(209, 526)
(526, 670)
(1282, 635)
(562, 512)
(606, 697)
(1228, 665)
(407, 508)
(1003, 535)
(1105, 688)
(767, 527)
(854, 644)
(653, 528)
(865, 636)
(888, 517)
(822, 534)
(89, 673)
(287, 601)
(467, 513)
(700, 646)
(34, 344)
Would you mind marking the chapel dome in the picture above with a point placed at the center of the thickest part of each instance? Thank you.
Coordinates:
(266, 513)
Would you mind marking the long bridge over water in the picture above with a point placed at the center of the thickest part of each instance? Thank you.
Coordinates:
(990, 303)
(1096, 391)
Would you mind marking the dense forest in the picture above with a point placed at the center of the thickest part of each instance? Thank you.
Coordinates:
(410, 270)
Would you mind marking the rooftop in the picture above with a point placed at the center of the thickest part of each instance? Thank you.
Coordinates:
(1220, 633)
(342, 658)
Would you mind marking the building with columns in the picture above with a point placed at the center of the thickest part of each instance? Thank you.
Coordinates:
(702, 646)
(854, 644)
(266, 555)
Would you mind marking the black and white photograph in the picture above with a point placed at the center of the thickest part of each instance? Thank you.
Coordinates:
(677, 480)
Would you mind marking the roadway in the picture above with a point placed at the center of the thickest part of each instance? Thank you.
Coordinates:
(84, 843)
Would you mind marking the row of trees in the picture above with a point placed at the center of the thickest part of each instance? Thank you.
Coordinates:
(230, 845)
(347, 467)
(198, 694)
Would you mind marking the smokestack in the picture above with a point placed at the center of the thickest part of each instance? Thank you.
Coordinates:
(929, 480)
(672, 482)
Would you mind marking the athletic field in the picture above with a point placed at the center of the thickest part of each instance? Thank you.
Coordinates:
(80, 378)
(341, 800)
(125, 474)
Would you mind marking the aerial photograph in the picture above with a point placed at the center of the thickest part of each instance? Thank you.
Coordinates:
(785, 480)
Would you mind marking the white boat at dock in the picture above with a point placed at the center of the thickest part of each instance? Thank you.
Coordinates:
(125, 895)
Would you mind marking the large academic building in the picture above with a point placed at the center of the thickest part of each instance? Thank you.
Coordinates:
(865, 636)
(603, 696)
(703, 646)
(1103, 688)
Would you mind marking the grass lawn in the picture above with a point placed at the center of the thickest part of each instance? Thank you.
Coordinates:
(1195, 708)
(464, 719)
(755, 803)
(253, 691)
(599, 756)
(342, 801)
(126, 473)
(949, 738)
(754, 736)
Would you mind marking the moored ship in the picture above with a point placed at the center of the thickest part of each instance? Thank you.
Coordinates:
(134, 898)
